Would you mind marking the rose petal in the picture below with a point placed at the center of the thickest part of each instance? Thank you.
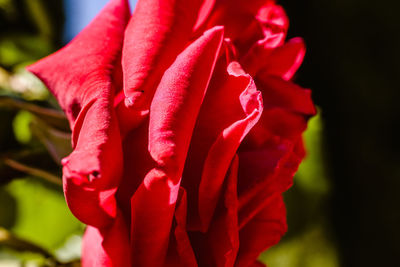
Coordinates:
(258, 55)
(258, 264)
(80, 76)
(284, 61)
(287, 110)
(250, 6)
(137, 163)
(263, 231)
(156, 33)
(223, 235)
(173, 115)
(241, 28)
(204, 12)
(220, 127)
(174, 112)
(222, 151)
(273, 19)
(248, 21)
(286, 95)
(106, 247)
(277, 123)
(180, 251)
(75, 73)
(258, 182)
(219, 245)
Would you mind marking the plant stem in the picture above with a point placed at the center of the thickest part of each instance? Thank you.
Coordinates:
(33, 171)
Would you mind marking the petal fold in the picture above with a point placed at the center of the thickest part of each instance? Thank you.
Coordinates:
(76, 73)
(106, 247)
(173, 114)
(157, 32)
(284, 61)
(223, 150)
(80, 76)
(262, 232)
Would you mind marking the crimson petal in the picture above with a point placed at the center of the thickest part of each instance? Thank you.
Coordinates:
(223, 150)
(173, 115)
(284, 61)
(266, 176)
(180, 251)
(156, 33)
(223, 235)
(80, 76)
(286, 95)
(220, 127)
(263, 231)
(106, 247)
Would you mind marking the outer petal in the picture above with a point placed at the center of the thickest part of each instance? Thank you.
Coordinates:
(79, 75)
(286, 95)
(241, 27)
(172, 117)
(220, 127)
(273, 19)
(204, 12)
(223, 236)
(244, 5)
(284, 61)
(249, 21)
(263, 231)
(106, 247)
(222, 151)
(75, 73)
(266, 58)
(174, 111)
(265, 173)
(287, 109)
(137, 163)
(180, 252)
(277, 124)
(258, 264)
(259, 53)
(157, 32)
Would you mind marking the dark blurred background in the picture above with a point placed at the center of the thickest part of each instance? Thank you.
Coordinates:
(353, 69)
(343, 209)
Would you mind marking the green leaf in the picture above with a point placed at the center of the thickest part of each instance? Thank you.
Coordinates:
(42, 216)
(309, 249)
(21, 127)
(311, 176)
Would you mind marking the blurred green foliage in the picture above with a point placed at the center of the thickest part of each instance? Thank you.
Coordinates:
(41, 212)
(21, 126)
(40, 217)
(36, 226)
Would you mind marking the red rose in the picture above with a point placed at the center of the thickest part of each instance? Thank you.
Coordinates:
(176, 161)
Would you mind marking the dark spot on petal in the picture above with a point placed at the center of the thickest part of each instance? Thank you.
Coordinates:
(74, 109)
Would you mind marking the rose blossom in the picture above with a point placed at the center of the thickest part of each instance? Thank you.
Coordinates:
(186, 130)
